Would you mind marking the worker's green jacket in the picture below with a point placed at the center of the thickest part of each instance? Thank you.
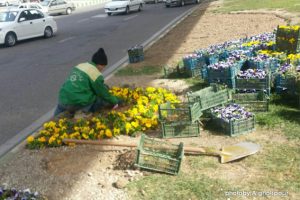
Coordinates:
(83, 86)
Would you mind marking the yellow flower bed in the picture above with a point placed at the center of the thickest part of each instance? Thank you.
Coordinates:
(142, 115)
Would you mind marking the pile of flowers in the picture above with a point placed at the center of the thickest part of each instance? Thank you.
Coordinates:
(284, 68)
(231, 112)
(15, 194)
(141, 115)
(222, 65)
(287, 38)
(252, 73)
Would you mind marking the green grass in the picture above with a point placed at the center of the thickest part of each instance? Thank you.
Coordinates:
(239, 5)
(279, 165)
(282, 114)
(183, 186)
(144, 70)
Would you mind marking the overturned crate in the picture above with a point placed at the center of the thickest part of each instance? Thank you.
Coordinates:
(174, 112)
(180, 129)
(254, 102)
(210, 97)
(159, 156)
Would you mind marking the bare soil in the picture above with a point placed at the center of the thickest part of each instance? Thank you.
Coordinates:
(100, 173)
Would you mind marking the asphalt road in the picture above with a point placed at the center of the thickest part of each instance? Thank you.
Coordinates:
(33, 71)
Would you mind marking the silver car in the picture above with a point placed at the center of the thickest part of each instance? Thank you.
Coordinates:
(55, 7)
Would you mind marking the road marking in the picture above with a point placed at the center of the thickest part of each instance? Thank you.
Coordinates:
(100, 16)
(83, 20)
(67, 39)
(131, 17)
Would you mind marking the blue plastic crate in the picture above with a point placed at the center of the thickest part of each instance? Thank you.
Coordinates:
(211, 59)
(190, 63)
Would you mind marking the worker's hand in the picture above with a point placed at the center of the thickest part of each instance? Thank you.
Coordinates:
(115, 106)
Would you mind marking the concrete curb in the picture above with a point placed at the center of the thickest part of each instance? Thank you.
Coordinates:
(10, 147)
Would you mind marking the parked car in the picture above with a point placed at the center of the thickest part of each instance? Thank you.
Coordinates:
(54, 7)
(21, 24)
(32, 5)
(123, 6)
(9, 2)
(153, 1)
(169, 3)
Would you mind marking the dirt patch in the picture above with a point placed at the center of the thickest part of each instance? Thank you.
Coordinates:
(90, 172)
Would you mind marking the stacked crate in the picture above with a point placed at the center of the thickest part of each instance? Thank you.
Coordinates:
(223, 75)
(254, 84)
(254, 102)
(210, 97)
(234, 127)
(194, 64)
(179, 119)
(136, 54)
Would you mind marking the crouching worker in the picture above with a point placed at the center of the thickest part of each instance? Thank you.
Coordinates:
(84, 90)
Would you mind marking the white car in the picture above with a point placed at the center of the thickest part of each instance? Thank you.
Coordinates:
(32, 5)
(55, 7)
(9, 2)
(123, 6)
(21, 24)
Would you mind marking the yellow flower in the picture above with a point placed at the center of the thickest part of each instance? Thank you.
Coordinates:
(150, 89)
(135, 124)
(92, 131)
(85, 136)
(128, 127)
(148, 124)
(42, 139)
(51, 139)
(116, 131)
(108, 133)
(30, 139)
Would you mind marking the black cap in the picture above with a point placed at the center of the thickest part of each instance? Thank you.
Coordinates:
(99, 58)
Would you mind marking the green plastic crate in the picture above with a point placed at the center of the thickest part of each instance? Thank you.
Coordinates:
(254, 84)
(210, 97)
(236, 127)
(159, 156)
(254, 102)
(174, 112)
(180, 129)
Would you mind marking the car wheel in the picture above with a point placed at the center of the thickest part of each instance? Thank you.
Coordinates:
(109, 14)
(10, 39)
(127, 10)
(68, 11)
(197, 1)
(140, 7)
(167, 5)
(48, 32)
